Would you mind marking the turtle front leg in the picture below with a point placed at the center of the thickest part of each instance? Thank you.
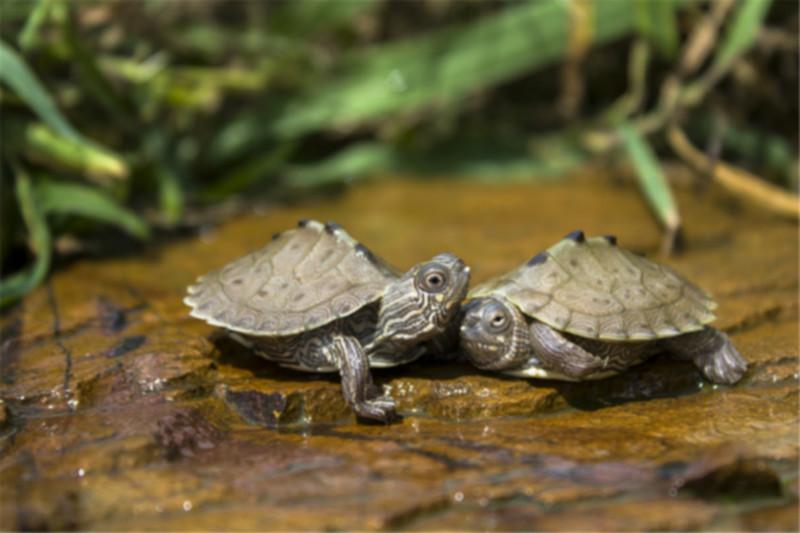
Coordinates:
(557, 352)
(712, 352)
(357, 387)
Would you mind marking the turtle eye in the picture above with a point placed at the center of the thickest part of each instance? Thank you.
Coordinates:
(498, 321)
(432, 279)
(497, 318)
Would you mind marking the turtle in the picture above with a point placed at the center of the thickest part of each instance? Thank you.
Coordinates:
(587, 309)
(315, 299)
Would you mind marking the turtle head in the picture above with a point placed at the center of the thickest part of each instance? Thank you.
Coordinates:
(494, 334)
(422, 303)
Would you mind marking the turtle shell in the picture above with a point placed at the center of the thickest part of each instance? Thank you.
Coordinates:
(592, 288)
(303, 279)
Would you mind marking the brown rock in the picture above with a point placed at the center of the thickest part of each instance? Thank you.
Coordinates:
(128, 414)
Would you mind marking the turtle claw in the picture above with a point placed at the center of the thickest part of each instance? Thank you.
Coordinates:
(381, 409)
(713, 354)
(726, 365)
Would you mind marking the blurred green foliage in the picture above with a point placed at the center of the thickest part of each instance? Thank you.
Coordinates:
(128, 114)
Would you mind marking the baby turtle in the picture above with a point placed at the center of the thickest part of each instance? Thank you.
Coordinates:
(316, 300)
(586, 309)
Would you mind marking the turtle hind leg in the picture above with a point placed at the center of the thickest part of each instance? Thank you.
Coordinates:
(359, 392)
(712, 352)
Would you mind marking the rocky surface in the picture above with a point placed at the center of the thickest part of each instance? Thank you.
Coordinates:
(119, 411)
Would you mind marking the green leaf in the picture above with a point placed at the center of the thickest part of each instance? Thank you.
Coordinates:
(170, 194)
(47, 147)
(310, 18)
(77, 199)
(656, 21)
(29, 35)
(742, 32)
(251, 172)
(439, 68)
(19, 283)
(353, 162)
(652, 181)
(15, 73)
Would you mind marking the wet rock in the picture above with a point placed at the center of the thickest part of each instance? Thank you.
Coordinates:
(129, 414)
(185, 433)
(457, 392)
(774, 518)
(259, 408)
(743, 478)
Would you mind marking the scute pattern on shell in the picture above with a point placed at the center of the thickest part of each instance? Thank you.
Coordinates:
(594, 289)
(303, 279)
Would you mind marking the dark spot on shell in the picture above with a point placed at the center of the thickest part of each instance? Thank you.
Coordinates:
(611, 239)
(300, 296)
(538, 259)
(284, 284)
(275, 236)
(631, 271)
(263, 293)
(302, 223)
(644, 326)
(366, 252)
(572, 262)
(203, 307)
(576, 236)
(552, 275)
(238, 281)
(331, 227)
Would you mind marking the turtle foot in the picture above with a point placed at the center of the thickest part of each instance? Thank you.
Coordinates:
(381, 409)
(724, 365)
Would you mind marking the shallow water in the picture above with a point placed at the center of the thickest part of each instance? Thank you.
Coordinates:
(121, 412)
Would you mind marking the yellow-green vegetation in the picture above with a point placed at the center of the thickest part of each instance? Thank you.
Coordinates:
(130, 115)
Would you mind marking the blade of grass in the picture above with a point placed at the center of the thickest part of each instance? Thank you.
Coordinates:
(92, 79)
(652, 182)
(76, 199)
(351, 163)
(15, 73)
(29, 35)
(438, 68)
(656, 21)
(444, 66)
(170, 194)
(300, 19)
(741, 34)
(42, 144)
(250, 173)
(19, 283)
